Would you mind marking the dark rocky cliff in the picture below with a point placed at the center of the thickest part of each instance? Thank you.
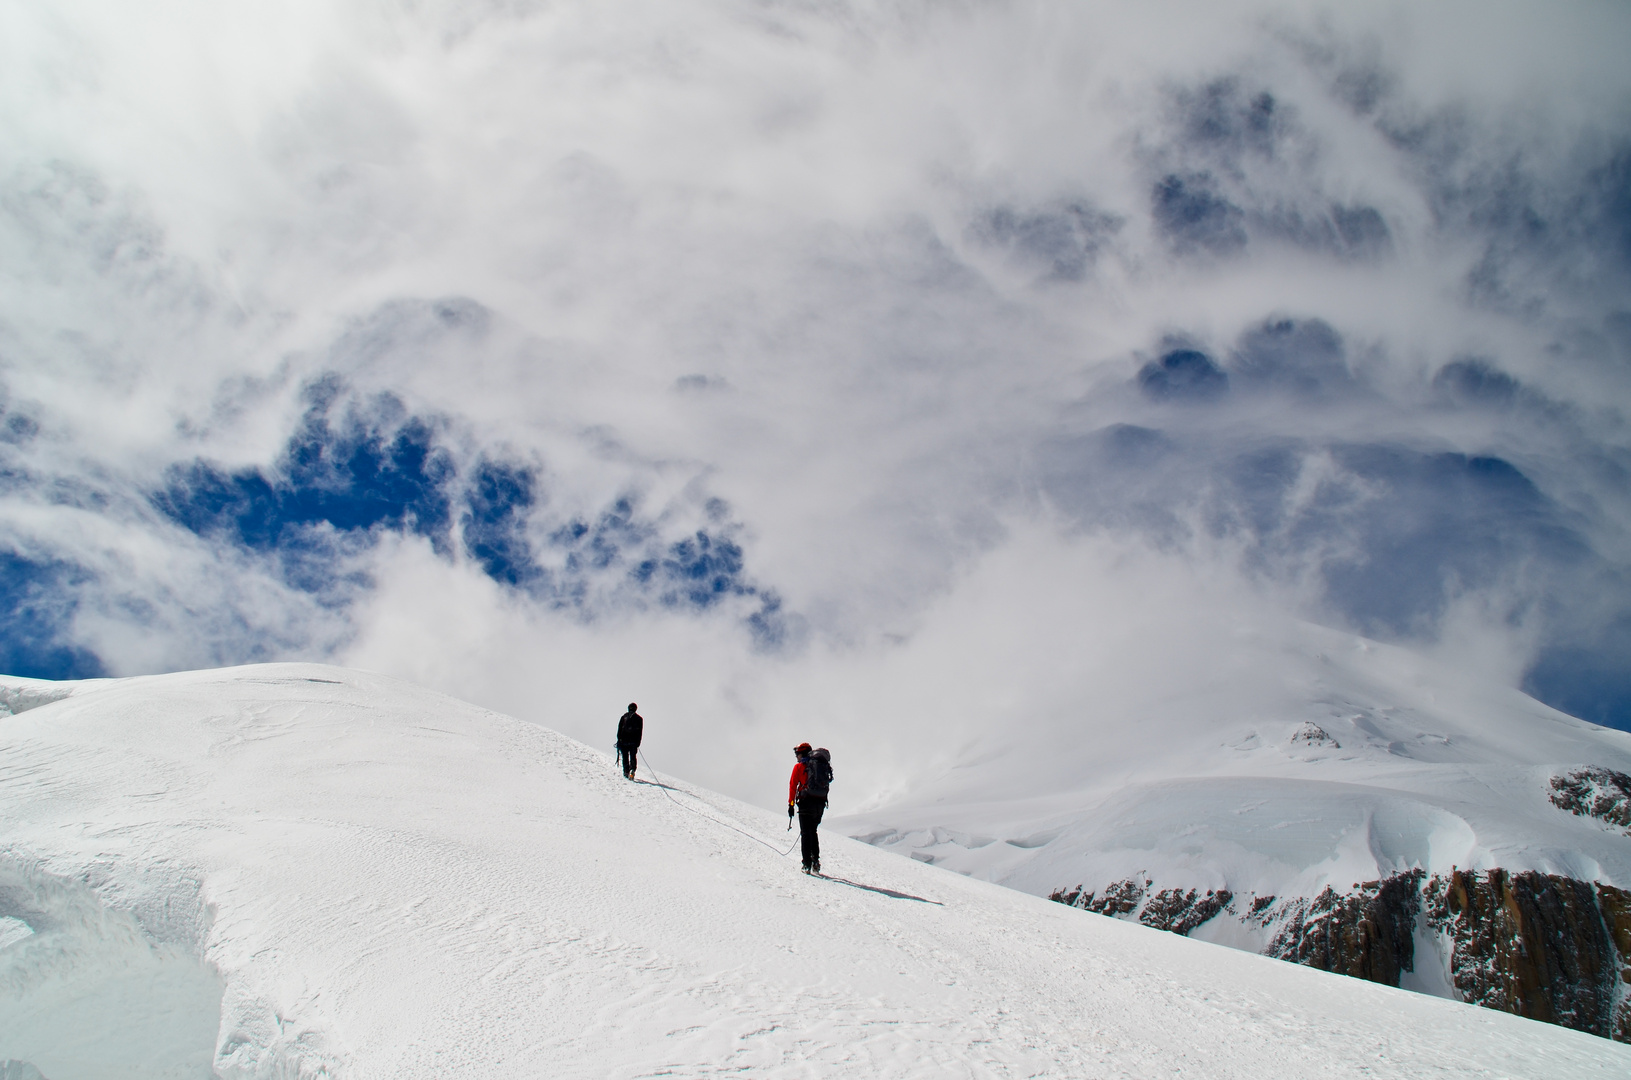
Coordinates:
(1547, 947)
(1368, 933)
(1176, 910)
(1592, 792)
(1539, 945)
(1544, 946)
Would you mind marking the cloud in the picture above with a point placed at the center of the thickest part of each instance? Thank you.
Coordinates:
(713, 348)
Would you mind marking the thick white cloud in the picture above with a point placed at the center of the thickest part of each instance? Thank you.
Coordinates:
(880, 277)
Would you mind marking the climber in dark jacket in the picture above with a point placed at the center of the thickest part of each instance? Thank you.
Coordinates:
(629, 730)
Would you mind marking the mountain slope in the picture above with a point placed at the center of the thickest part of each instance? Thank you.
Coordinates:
(1311, 783)
(294, 870)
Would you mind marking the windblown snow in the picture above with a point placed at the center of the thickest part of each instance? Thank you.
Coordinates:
(298, 871)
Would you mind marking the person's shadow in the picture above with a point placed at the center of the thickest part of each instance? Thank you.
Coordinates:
(885, 892)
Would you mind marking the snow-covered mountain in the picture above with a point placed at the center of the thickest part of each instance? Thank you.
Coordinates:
(300, 871)
(1323, 798)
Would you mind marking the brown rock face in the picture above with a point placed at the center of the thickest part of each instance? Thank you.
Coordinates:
(1369, 934)
(1539, 945)
(1180, 911)
(1615, 905)
(1594, 792)
(1120, 898)
(1177, 910)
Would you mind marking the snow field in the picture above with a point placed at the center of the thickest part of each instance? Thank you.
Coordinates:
(333, 873)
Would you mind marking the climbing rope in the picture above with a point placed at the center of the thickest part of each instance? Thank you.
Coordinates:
(664, 788)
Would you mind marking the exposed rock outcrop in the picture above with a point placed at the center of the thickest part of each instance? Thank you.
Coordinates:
(1180, 911)
(1615, 905)
(1311, 734)
(1118, 898)
(1594, 792)
(1369, 933)
(1539, 945)
(1177, 910)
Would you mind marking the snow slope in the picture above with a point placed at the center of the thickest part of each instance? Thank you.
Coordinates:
(1275, 763)
(294, 870)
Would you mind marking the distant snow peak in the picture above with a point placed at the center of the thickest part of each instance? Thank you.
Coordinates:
(1333, 826)
(1594, 792)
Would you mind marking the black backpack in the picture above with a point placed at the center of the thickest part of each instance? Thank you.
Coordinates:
(818, 773)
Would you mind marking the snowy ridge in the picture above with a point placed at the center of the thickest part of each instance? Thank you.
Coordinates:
(300, 871)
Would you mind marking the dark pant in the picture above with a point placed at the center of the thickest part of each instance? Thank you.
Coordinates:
(628, 754)
(811, 808)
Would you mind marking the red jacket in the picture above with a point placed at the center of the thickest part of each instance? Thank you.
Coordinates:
(797, 782)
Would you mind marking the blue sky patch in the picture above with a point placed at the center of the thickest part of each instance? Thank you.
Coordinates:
(357, 467)
(1303, 356)
(37, 602)
(1592, 681)
(621, 549)
(1060, 242)
(700, 571)
(1183, 375)
(497, 503)
(1195, 217)
(1444, 522)
(1390, 533)
(354, 472)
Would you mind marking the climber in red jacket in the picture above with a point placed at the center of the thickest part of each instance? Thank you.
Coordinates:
(807, 789)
